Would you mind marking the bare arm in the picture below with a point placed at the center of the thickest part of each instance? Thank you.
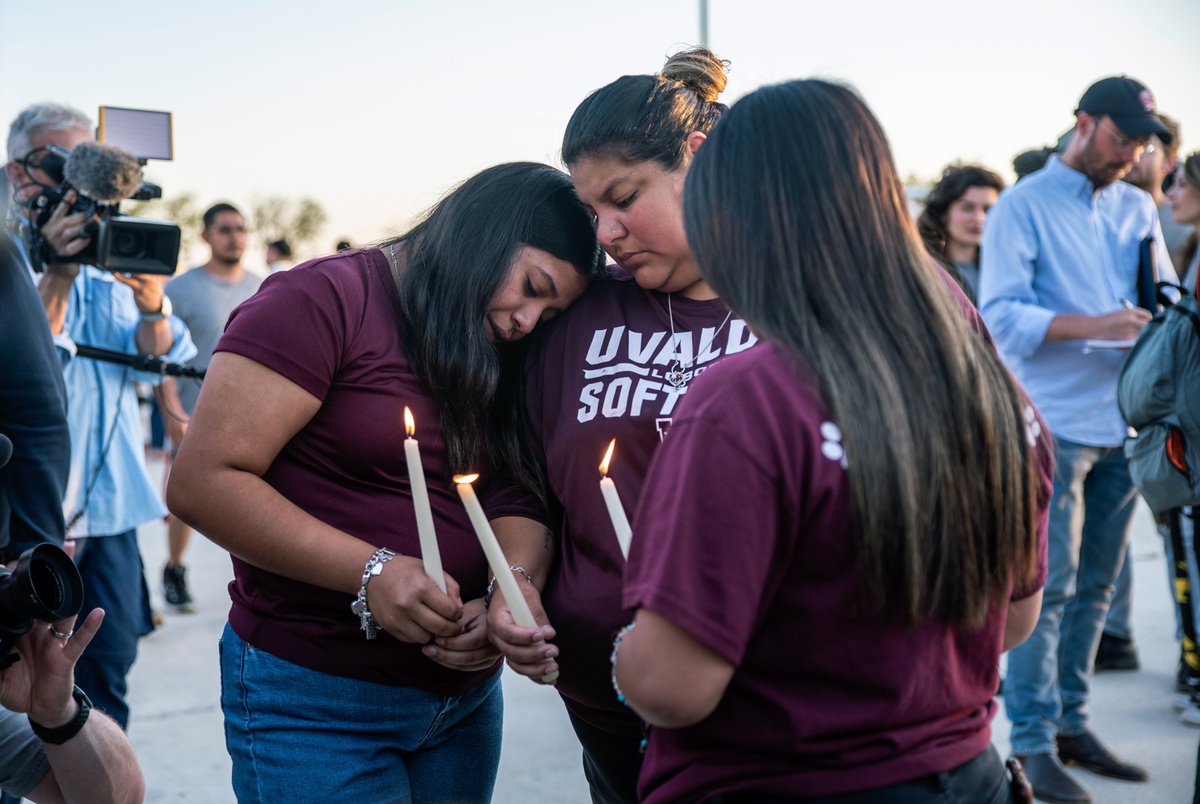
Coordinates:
(529, 544)
(667, 677)
(1022, 617)
(244, 417)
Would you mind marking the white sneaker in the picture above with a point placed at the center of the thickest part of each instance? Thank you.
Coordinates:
(1181, 701)
(1190, 716)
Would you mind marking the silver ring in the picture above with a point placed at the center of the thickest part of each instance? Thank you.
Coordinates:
(60, 634)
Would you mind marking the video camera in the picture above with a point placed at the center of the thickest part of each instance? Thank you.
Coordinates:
(102, 175)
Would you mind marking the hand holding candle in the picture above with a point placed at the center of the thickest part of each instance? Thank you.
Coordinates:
(616, 511)
(416, 479)
(505, 579)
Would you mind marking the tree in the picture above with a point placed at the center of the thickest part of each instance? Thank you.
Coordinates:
(297, 222)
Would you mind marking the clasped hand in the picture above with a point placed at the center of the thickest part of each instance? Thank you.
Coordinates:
(410, 606)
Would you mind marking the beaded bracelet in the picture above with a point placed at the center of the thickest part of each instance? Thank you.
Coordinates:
(617, 687)
(487, 598)
(613, 658)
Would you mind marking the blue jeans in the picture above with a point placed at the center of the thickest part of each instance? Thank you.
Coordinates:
(299, 735)
(1049, 675)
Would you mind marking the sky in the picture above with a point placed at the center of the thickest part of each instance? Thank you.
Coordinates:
(376, 108)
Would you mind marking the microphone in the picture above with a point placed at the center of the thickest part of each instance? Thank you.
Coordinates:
(5, 450)
(103, 173)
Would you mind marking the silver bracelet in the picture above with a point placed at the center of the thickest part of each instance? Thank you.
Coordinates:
(373, 567)
(487, 599)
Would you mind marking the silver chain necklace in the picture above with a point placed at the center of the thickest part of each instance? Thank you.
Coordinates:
(675, 370)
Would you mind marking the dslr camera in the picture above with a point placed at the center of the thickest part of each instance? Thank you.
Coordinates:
(45, 586)
(102, 176)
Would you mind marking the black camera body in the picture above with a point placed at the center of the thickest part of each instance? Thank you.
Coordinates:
(46, 586)
(119, 243)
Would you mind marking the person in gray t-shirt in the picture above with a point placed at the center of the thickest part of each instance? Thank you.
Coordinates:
(203, 297)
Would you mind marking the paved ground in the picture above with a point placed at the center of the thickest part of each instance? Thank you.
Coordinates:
(176, 722)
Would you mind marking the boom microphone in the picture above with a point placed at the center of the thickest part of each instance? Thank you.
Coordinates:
(103, 173)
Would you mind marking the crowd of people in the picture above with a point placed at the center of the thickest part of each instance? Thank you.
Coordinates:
(800, 508)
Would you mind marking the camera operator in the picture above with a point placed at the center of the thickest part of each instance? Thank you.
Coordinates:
(109, 493)
(52, 748)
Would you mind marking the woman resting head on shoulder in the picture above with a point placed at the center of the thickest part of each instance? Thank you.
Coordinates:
(828, 557)
(952, 222)
(338, 643)
(615, 367)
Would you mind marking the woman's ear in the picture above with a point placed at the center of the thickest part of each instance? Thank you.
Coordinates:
(694, 141)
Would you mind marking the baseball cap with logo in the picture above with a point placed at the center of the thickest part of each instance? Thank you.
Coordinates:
(1128, 103)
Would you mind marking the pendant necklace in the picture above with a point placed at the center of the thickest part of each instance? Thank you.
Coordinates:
(675, 370)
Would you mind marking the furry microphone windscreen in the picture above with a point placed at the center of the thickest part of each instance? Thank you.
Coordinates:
(103, 173)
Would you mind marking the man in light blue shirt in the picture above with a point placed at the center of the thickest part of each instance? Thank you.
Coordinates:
(109, 492)
(1060, 268)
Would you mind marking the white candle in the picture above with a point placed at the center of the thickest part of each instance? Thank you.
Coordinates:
(616, 511)
(430, 554)
(505, 578)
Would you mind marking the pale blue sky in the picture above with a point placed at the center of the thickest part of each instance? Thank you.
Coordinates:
(376, 108)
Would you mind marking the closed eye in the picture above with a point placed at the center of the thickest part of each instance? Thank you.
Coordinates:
(626, 201)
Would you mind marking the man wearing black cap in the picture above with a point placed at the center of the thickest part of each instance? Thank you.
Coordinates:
(1062, 252)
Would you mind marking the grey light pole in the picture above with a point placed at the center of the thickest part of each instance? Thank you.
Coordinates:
(704, 23)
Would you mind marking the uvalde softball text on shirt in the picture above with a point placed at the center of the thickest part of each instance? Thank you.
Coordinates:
(599, 372)
(626, 369)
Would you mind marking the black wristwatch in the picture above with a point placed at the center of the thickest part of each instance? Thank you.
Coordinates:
(70, 728)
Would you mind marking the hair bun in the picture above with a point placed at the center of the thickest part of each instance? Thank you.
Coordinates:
(700, 70)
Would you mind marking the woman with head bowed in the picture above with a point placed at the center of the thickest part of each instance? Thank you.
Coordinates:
(347, 674)
(614, 367)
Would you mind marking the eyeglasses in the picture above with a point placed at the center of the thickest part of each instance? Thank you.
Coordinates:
(1129, 143)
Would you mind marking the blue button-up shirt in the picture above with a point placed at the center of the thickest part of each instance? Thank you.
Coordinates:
(108, 481)
(1053, 245)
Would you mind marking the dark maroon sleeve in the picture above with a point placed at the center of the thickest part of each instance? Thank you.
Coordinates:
(296, 325)
(702, 553)
(1043, 456)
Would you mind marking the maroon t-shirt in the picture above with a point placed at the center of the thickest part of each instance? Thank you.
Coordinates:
(745, 538)
(330, 326)
(596, 374)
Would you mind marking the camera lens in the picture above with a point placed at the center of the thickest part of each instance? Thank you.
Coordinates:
(44, 586)
(129, 243)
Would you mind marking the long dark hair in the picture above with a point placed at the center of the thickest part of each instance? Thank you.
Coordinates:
(456, 259)
(644, 118)
(792, 207)
(955, 181)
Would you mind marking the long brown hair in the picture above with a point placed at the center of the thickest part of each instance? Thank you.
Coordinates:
(798, 219)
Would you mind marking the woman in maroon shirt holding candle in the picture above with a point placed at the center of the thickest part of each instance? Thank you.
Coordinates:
(615, 366)
(847, 525)
(295, 463)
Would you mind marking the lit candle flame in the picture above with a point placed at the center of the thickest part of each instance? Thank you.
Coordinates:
(607, 457)
(410, 426)
(465, 478)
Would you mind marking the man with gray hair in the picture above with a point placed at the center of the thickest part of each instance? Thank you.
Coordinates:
(109, 492)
